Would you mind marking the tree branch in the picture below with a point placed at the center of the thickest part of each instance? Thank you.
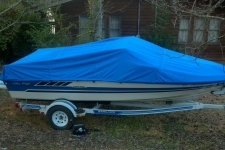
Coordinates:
(10, 25)
(12, 6)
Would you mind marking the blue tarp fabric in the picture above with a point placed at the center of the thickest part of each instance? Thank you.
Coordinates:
(120, 59)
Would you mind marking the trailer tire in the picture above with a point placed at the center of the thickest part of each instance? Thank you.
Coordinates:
(60, 118)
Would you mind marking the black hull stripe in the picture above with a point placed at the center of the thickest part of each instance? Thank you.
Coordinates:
(119, 90)
(107, 91)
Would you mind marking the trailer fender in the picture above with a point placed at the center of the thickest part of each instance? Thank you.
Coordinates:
(64, 103)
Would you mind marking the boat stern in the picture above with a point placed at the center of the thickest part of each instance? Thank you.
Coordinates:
(2, 85)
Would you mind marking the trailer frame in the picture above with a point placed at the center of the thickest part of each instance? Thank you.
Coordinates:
(69, 110)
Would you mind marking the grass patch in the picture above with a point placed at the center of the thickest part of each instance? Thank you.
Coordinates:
(198, 129)
(31, 117)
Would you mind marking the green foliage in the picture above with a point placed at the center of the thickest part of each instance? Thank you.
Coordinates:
(35, 33)
(157, 32)
(8, 26)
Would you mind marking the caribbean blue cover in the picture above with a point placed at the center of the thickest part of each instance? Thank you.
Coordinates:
(121, 59)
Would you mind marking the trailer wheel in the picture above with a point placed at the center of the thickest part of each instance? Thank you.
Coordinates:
(60, 118)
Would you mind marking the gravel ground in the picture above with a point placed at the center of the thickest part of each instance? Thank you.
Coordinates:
(199, 129)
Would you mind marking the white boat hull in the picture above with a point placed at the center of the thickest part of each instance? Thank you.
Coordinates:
(111, 91)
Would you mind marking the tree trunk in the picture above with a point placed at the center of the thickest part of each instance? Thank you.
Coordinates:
(96, 15)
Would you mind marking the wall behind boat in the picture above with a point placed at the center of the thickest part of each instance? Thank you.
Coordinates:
(127, 10)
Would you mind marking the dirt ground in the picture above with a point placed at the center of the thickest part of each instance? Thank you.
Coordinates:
(198, 129)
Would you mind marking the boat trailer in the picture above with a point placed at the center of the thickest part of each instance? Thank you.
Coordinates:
(61, 113)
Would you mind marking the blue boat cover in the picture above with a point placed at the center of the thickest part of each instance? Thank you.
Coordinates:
(120, 59)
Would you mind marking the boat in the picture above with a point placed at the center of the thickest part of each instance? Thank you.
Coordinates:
(114, 69)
